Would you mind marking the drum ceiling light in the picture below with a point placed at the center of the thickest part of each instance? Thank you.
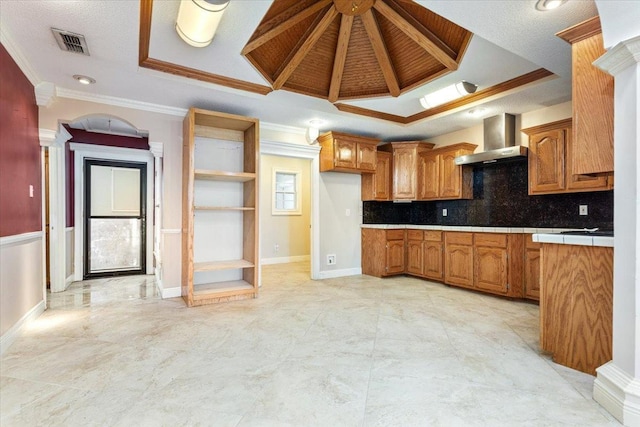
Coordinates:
(198, 20)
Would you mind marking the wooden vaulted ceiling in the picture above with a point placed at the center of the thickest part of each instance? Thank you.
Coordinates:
(350, 49)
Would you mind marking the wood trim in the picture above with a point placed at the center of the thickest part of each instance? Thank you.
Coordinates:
(581, 31)
(413, 29)
(463, 48)
(340, 57)
(379, 48)
(560, 124)
(277, 25)
(144, 61)
(316, 30)
(489, 92)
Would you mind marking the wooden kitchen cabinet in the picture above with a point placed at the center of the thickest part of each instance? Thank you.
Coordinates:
(406, 155)
(592, 95)
(377, 186)
(414, 252)
(490, 262)
(576, 305)
(458, 259)
(432, 249)
(550, 165)
(383, 252)
(440, 178)
(531, 269)
(341, 152)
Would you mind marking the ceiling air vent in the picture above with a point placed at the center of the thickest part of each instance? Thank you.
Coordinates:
(71, 42)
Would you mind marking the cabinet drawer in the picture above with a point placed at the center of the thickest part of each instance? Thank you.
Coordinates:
(491, 240)
(459, 238)
(433, 236)
(414, 235)
(395, 234)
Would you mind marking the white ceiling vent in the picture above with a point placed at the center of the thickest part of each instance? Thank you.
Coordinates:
(71, 42)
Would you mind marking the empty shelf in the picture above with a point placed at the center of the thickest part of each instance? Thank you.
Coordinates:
(222, 265)
(223, 208)
(223, 175)
(209, 290)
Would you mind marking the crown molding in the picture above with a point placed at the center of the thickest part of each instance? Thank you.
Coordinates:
(18, 57)
(620, 57)
(45, 94)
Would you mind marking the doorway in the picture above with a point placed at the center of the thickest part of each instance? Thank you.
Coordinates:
(115, 218)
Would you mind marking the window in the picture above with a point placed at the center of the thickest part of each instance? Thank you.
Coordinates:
(286, 193)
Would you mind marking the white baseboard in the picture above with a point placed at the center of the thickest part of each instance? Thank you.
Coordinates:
(618, 393)
(284, 259)
(10, 336)
(171, 292)
(331, 274)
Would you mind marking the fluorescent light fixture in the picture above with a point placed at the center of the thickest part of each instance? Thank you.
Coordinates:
(198, 20)
(545, 5)
(447, 94)
(85, 80)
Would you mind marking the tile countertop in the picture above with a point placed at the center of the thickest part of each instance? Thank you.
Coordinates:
(541, 235)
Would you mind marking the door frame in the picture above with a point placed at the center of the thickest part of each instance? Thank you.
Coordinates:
(141, 166)
(312, 153)
(101, 152)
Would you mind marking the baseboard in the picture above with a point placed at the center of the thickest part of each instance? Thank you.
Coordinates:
(10, 336)
(284, 259)
(172, 292)
(618, 393)
(69, 280)
(331, 274)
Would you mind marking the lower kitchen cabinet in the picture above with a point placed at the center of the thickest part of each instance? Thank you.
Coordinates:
(432, 249)
(415, 252)
(498, 263)
(531, 269)
(383, 252)
(458, 259)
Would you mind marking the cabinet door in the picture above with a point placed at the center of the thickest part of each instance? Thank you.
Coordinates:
(582, 182)
(546, 161)
(450, 176)
(404, 173)
(428, 177)
(458, 265)
(382, 177)
(414, 257)
(491, 269)
(432, 256)
(366, 157)
(345, 153)
(395, 256)
(532, 273)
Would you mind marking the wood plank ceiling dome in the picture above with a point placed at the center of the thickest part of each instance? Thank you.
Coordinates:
(350, 49)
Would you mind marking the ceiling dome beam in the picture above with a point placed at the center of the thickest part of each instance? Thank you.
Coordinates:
(341, 57)
(381, 52)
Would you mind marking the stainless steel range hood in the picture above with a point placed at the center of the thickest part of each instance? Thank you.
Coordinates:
(499, 143)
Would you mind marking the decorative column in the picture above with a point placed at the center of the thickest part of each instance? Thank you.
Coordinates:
(157, 149)
(617, 385)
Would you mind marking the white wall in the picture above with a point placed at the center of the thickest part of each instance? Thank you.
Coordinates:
(290, 232)
(340, 233)
(69, 247)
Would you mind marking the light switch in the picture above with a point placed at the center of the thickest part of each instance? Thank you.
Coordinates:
(584, 209)
(30, 190)
(444, 212)
(348, 212)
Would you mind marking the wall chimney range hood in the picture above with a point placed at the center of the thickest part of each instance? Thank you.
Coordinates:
(499, 143)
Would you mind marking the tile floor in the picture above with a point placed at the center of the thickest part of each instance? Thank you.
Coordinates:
(355, 351)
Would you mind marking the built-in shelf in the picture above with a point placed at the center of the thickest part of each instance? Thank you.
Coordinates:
(224, 176)
(222, 265)
(223, 208)
(208, 290)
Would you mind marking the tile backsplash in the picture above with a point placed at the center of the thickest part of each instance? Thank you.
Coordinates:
(500, 200)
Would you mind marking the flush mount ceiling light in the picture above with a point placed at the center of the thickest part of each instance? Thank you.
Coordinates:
(447, 94)
(544, 5)
(198, 20)
(85, 80)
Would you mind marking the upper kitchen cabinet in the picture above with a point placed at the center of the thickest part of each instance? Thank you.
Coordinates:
(377, 186)
(406, 155)
(440, 178)
(592, 94)
(341, 152)
(550, 162)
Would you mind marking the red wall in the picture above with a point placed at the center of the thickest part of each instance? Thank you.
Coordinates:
(84, 137)
(19, 152)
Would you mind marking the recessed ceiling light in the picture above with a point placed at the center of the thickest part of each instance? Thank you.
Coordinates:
(85, 80)
(545, 5)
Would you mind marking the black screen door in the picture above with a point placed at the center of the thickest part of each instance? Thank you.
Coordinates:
(115, 218)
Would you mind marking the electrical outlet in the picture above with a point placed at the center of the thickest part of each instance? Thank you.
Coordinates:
(331, 259)
(584, 209)
(444, 212)
(276, 247)
(347, 212)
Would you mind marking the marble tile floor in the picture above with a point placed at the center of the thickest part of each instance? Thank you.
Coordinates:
(354, 351)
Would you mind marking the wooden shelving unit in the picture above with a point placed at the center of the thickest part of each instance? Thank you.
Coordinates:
(220, 207)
